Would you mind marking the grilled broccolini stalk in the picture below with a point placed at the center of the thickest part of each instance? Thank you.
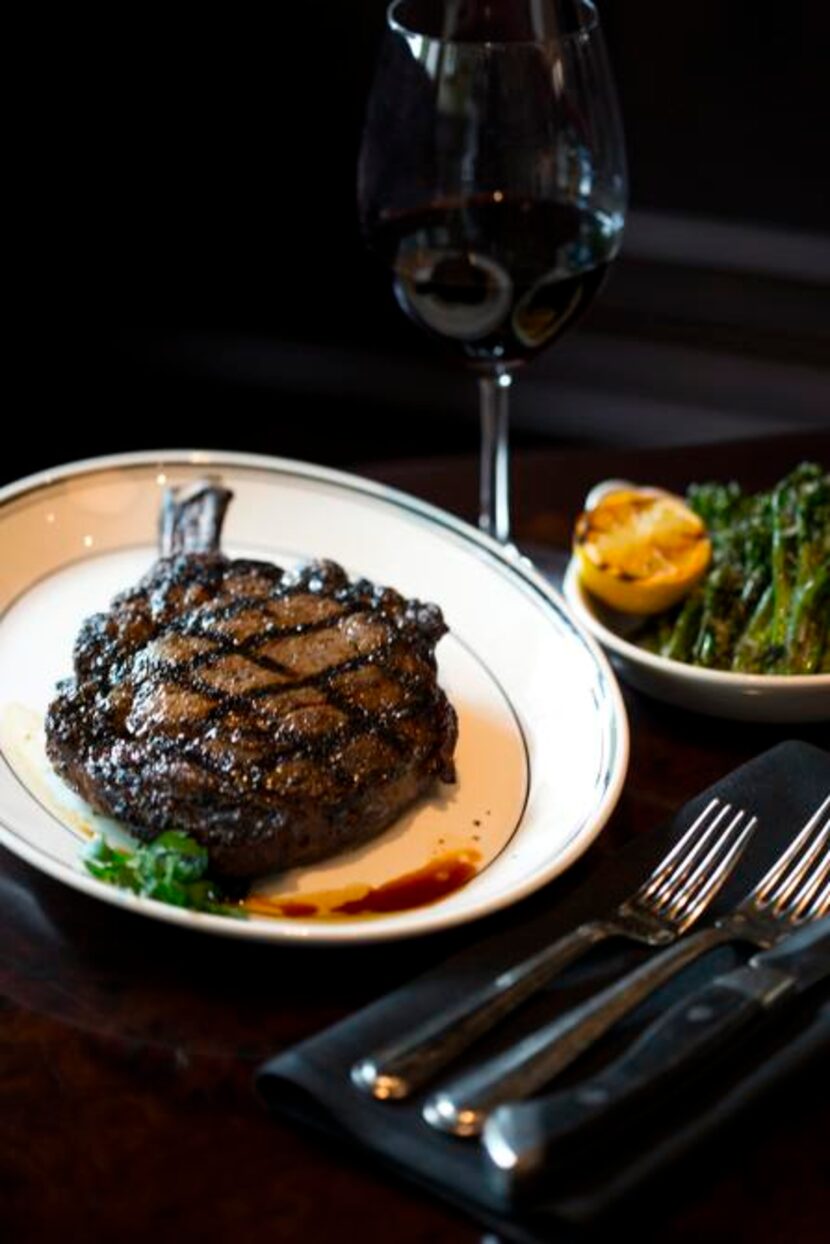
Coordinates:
(808, 625)
(752, 646)
(764, 606)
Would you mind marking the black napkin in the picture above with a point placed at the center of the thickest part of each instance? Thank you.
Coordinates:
(311, 1083)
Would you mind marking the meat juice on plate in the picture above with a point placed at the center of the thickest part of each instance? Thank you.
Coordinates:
(498, 278)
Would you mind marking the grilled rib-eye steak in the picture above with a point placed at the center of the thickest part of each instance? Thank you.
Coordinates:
(275, 716)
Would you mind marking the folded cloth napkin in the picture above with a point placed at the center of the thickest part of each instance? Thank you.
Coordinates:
(311, 1082)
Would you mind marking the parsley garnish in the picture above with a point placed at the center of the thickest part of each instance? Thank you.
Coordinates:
(171, 869)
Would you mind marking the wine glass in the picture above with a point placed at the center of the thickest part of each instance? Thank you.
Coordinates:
(492, 184)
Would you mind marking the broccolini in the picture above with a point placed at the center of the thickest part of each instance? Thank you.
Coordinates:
(764, 605)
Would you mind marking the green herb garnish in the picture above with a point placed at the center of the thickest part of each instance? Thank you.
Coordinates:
(171, 869)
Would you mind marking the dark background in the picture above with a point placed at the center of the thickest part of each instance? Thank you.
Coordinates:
(192, 271)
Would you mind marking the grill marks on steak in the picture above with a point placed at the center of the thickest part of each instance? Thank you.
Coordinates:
(277, 717)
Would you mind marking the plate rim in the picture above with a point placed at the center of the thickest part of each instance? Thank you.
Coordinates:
(399, 925)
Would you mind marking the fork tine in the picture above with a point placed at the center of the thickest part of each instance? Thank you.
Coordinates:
(684, 853)
(696, 893)
(781, 868)
(799, 902)
(684, 878)
(806, 869)
(821, 905)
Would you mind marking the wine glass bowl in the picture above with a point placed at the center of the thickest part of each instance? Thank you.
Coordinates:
(492, 185)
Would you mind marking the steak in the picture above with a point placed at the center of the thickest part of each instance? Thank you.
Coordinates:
(276, 716)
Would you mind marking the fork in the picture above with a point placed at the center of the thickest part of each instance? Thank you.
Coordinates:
(792, 891)
(673, 896)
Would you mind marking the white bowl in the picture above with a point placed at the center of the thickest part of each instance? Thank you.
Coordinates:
(720, 693)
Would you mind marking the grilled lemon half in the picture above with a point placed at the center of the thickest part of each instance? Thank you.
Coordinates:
(641, 549)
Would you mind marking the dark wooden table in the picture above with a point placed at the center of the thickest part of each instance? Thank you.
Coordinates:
(128, 1047)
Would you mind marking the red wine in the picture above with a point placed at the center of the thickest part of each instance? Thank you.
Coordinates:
(498, 279)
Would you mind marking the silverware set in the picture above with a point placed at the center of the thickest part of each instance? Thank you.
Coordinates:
(527, 1141)
(793, 893)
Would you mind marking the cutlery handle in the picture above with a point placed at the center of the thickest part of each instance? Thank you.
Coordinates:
(463, 1105)
(403, 1065)
(525, 1138)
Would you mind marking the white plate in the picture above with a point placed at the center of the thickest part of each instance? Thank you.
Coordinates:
(543, 739)
(719, 693)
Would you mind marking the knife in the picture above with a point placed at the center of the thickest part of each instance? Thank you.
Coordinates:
(523, 1139)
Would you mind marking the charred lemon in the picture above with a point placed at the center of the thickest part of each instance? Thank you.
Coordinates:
(641, 550)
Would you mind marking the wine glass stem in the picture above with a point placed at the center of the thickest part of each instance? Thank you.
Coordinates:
(494, 495)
